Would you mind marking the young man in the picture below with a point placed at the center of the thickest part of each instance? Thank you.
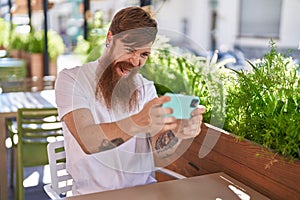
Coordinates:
(112, 118)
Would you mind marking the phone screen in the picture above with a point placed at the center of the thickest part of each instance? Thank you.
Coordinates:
(182, 105)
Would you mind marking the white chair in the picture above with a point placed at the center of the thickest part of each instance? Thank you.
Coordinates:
(61, 181)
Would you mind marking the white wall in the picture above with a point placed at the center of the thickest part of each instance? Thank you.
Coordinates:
(290, 24)
(198, 14)
(228, 26)
(227, 23)
(171, 15)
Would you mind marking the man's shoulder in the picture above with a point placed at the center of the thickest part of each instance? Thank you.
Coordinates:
(144, 83)
(141, 78)
(71, 70)
(74, 71)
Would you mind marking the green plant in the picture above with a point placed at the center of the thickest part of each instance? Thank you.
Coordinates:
(56, 45)
(264, 104)
(36, 42)
(161, 67)
(174, 70)
(261, 105)
(18, 41)
(91, 48)
(4, 32)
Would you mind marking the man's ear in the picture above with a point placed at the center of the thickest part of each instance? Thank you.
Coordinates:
(108, 37)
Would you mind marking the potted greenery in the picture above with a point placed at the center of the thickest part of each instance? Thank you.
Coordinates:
(56, 47)
(36, 49)
(91, 48)
(178, 71)
(266, 103)
(18, 42)
(4, 32)
(251, 130)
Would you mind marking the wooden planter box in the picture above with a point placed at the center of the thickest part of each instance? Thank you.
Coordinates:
(252, 164)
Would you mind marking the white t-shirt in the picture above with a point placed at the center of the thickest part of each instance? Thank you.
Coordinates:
(123, 166)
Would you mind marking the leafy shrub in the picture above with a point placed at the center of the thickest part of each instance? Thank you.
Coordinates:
(174, 70)
(91, 48)
(264, 104)
(4, 32)
(18, 41)
(36, 42)
(56, 44)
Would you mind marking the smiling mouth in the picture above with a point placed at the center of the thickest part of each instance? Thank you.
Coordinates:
(122, 71)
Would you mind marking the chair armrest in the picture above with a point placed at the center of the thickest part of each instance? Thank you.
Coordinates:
(51, 193)
(169, 172)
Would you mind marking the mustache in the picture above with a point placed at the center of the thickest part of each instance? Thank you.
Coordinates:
(127, 66)
(124, 64)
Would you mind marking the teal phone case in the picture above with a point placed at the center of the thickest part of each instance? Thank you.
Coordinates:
(182, 105)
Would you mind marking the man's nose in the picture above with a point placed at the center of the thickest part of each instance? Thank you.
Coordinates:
(135, 60)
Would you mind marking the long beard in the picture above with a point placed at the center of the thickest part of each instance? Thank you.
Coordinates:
(115, 90)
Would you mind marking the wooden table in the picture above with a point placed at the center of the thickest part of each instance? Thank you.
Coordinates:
(9, 104)
(218, 186)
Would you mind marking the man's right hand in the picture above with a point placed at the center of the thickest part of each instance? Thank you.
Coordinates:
(152, 118)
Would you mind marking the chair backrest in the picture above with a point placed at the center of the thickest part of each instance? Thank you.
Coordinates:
(61, 180)
(36, 128)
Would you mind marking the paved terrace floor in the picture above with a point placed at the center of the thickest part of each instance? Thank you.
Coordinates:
(35, 179)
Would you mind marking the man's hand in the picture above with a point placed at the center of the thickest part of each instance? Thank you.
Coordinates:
(152, 118)
(166, 143)
(190, 128)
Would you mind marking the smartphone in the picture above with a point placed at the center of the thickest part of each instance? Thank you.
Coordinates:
(182, 105)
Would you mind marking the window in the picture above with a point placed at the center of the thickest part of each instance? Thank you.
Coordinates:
(260, 18)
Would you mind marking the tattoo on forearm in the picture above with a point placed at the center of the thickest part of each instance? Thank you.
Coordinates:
(165, 143)
(106, 144)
